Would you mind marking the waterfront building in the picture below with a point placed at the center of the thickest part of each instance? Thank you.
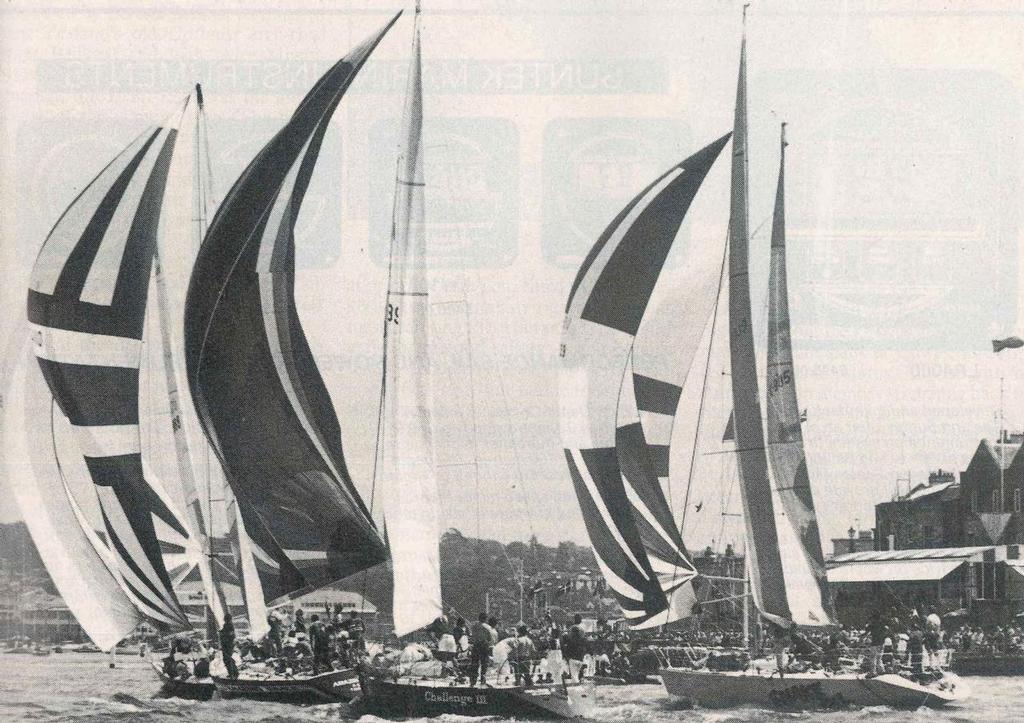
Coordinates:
(927, 516)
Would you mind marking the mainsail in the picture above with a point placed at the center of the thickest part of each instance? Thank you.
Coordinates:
(86, 309)
(768, 584)
(410, 488)
(603, 314)
(260, 398)
(810, 601)
(81, 567)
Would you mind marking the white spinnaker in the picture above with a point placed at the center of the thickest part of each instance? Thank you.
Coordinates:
(177, 243)
(70, 550)
(410, 486)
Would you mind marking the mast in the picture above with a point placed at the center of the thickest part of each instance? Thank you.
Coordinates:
(763, 548)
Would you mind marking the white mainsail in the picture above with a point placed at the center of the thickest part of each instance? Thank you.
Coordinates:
(410, 487)
(71, 551)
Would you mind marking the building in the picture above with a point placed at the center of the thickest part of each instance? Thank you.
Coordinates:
(992, 487)
(928, 516)
(987, 581)
(855, 541)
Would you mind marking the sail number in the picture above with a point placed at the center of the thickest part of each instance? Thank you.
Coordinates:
(392, 314)
(781, 380)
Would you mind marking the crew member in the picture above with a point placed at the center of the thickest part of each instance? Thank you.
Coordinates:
(227, 646)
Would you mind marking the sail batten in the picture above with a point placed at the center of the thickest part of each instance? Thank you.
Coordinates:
(261, 400)
(612, 468)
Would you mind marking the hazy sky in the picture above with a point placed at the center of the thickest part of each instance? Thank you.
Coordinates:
(543, 119)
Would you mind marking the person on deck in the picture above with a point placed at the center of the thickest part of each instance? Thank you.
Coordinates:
(523, 653)
(274, 635)
(877, 633)
(461, 634)
(355, 628)
(299, 625)
(574, 648)
(780, 646)
(482, 638)
(321, 643)
(227, 646)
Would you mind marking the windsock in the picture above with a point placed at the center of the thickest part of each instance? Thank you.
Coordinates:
(1010, 342)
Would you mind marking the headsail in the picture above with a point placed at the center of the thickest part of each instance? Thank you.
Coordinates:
(410, 488)
(79, 564)
(262, 403)
(86, 308)
(768, 585)
(604, 311)
(810, 601)
(181, 228)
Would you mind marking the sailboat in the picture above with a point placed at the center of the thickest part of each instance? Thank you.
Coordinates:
(262, 404)
(411, 505)
(616, 394)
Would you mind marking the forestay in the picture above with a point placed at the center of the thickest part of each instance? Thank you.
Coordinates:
(604, 311)
(410, 487)
(261, 400)
(86, 309)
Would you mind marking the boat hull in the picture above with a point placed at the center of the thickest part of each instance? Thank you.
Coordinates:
(190, 689)
(336, 686)
(714, 689)
(993, 664)
(432, 698)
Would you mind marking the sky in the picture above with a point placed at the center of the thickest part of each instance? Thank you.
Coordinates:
(904, 201)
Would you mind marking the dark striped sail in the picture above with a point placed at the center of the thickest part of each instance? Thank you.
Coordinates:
(604, 311)
(86, 309)
(260, 398)
(663, 364)
(644, 461)
(767, 581)
(810, 601)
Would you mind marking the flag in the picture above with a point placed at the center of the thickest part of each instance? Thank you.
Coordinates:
(1010, 342)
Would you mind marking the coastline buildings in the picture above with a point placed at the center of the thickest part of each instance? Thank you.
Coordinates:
(953, 544)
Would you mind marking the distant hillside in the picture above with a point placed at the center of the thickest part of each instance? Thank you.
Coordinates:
(19, 559)
(470, 568)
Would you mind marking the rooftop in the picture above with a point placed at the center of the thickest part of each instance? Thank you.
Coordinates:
(936, 553)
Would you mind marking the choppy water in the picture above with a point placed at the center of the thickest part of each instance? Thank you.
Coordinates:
(80, 687)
